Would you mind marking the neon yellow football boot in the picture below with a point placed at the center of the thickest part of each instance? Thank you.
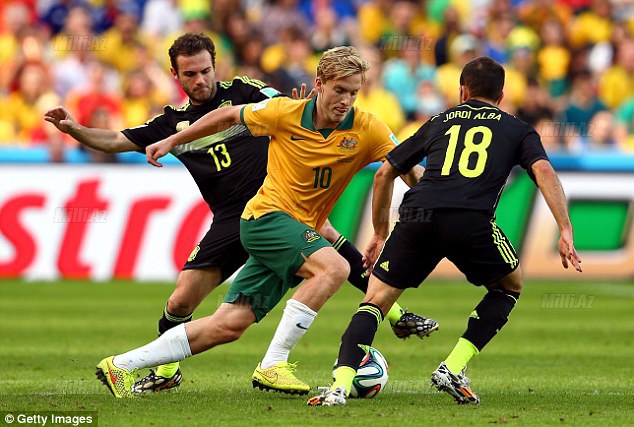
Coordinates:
(119, 381)
(279, 377)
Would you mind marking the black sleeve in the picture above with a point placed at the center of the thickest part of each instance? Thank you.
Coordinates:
(531, 150)
(253, 91)
(410, 152)
(150, 132)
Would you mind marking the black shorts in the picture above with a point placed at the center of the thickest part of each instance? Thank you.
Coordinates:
(470, 239)
(220, 248)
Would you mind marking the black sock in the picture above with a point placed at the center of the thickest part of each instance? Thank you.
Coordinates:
(360, 332)
(358, 275)
(490, 316)
(168, 321)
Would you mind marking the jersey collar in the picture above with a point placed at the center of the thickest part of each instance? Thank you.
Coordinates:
(478, 103)
(307, 117)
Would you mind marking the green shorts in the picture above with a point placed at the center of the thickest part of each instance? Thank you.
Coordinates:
(277, 246)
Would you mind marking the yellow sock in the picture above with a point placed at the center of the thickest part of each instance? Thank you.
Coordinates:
(394, 314)
(168, 370)
(343, 378)
(460, 355)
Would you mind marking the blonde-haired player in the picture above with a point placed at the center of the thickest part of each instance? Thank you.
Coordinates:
(317, 145)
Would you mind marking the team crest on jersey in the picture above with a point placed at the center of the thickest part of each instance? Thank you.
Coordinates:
(347, 145)
(311, 235)
(225, 104)
(192, 256)
(181, 126)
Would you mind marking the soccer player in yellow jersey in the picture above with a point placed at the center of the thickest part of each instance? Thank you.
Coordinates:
(317, 145)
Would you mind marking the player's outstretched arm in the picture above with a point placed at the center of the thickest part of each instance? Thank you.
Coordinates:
(553, 193)
(381, 207)
(212, 122)
(108, 141)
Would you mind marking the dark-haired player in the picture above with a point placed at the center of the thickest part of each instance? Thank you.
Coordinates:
(228, 167)
(317, 145)
(470, 152)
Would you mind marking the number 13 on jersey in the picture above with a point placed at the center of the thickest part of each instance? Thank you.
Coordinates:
(221, 156)
(470, 147)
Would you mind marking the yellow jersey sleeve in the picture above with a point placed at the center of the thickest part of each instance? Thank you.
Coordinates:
(261, 118)
(383, 140)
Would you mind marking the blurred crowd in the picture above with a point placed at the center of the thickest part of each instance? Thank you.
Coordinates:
(569, 63)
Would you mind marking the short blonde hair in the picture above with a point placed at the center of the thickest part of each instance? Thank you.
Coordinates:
(341, 62)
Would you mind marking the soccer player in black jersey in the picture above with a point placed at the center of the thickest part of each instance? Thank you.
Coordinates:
(228, 173)
(450, 212)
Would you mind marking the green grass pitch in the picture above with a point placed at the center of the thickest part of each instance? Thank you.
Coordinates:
(561, 360)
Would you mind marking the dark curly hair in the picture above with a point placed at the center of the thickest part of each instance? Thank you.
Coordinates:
(190, 44)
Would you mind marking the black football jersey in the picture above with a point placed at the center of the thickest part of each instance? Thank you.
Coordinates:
(470, 152)
(228, 166)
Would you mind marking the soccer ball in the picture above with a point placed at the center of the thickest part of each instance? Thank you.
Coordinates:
(371, 376)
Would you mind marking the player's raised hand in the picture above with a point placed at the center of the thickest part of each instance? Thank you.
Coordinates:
(61, 118)
(157, 150)
(302, 92)
(372, 251)
(567, 251)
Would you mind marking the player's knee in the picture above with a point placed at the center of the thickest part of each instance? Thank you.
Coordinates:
(328, 281)
(334, 277)
(511, 282)
(515, 287)
(338, 273)
(180, 305)
(514, 284)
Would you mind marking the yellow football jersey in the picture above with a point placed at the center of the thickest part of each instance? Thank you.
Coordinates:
(308, 169)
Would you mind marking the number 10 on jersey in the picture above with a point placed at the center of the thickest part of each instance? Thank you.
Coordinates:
(323, 176)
